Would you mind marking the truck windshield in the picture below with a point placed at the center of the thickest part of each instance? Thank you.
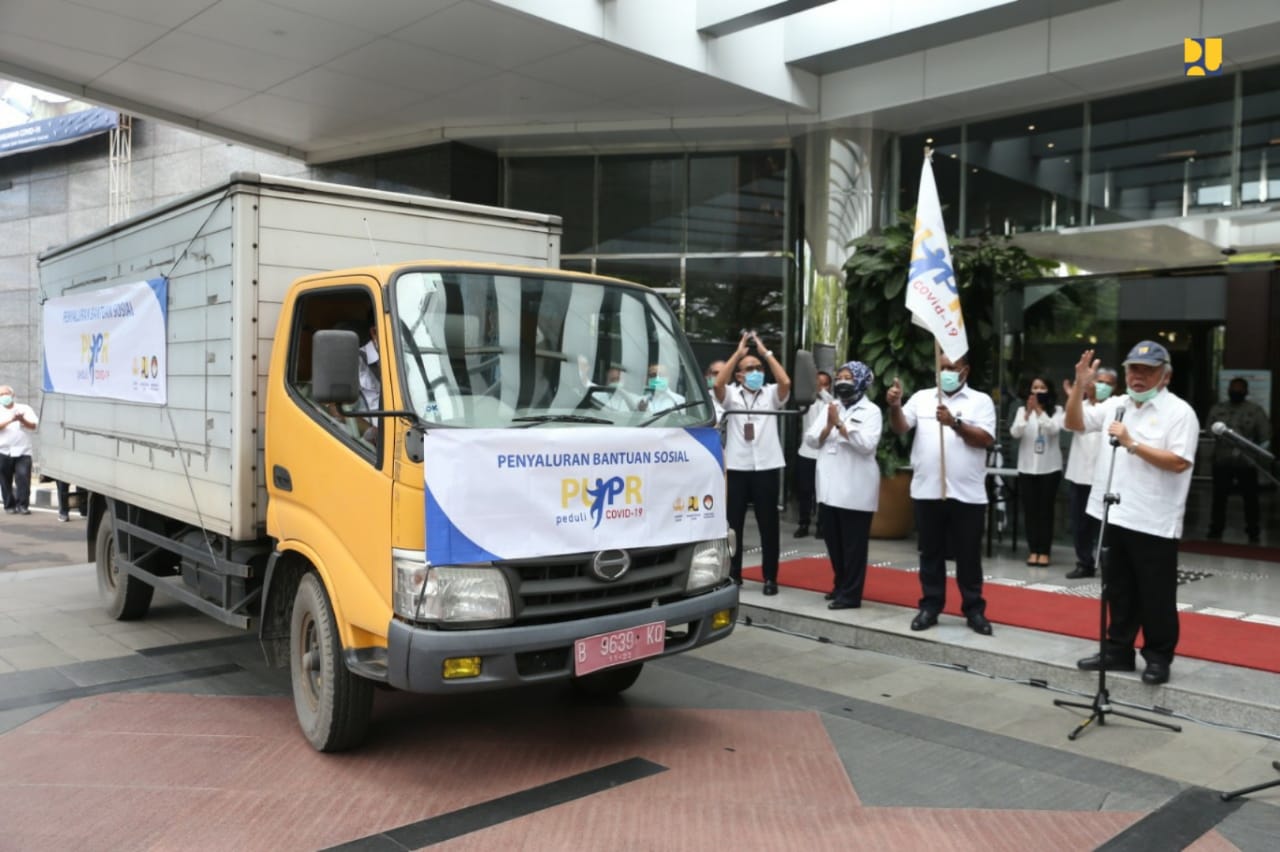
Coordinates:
(493, 349)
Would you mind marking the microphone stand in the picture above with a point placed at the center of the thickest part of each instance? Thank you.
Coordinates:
(1244, 791)
(1101, 705)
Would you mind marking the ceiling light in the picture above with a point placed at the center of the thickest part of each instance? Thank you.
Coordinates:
(1050, 145)
(929, 141)
(1031, 127)
(953, 156)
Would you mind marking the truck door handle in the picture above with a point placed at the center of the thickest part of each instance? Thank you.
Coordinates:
(280, 478)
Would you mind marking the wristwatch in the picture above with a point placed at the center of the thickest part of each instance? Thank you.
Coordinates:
(958, 423)
(1133, 448)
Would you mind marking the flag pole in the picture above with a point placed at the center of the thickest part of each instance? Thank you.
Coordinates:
(942, 434)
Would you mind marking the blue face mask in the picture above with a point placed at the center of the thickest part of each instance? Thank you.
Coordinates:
(1102, 390)
(6, 400)
(1142, 396)
(754, 380)
(950, 381)
(657, 384)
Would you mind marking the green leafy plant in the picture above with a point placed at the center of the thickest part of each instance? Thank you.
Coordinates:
(881, 333)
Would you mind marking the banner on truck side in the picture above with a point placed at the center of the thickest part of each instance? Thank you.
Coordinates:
(109, 343)
(516, 494)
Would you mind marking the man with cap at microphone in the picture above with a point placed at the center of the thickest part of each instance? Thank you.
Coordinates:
(1155, 436)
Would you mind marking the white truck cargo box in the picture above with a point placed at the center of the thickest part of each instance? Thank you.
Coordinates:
(229, 254)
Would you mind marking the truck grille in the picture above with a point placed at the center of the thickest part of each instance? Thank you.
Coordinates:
(556, 589)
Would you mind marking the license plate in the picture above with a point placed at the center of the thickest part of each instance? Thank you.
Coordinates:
(619, 647)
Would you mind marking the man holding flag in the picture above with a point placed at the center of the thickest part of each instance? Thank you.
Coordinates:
(954, 424)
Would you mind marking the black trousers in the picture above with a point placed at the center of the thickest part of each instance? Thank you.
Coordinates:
(846, 532)
(760, 489)
(15, 482)
(1039, 492)
(1140, 574)
(1084, 527)
(804, 475)
(1244, 477)
(949, 525)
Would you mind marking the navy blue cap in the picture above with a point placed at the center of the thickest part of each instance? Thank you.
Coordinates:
(1147, 352)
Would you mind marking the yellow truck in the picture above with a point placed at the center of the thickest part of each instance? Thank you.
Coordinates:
(437, 475)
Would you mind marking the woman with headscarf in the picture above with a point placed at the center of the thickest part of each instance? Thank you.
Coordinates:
(848, 479)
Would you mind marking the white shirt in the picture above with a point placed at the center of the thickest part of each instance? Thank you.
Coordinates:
(15, 438)
(1152, 500)
(966, 465)
(764, 452)
(817, 413)
(1036, 456)
(370, 382)
(655, 402)
(1083, 454)
(847, 474)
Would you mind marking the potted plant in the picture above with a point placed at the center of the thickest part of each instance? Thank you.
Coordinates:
(882, 335)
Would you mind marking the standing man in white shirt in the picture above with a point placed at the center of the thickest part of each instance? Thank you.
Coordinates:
(848, 479)
(17, 422)
(753, 454)
(962, 423)
(1081, 461)
(805, 472)
(1155, 449)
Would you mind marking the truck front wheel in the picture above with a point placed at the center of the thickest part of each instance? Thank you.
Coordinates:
(609, 681)
(333, 705)
(127, 598)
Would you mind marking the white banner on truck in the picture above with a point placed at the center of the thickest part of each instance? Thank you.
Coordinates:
(514, 494)
(108, 343)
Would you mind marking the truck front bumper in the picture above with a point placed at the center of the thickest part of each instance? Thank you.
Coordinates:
(538, 653)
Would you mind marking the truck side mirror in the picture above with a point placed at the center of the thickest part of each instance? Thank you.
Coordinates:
(804, 378)
(335, 366)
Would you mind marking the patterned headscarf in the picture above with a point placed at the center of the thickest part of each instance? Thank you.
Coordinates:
(862, 377)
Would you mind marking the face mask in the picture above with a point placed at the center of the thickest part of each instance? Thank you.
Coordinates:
(1102, 390)
(845, 391)
(6, 400)
(950, 381)
(1142, 396)
(657, 384)
(711, 381)
(1235, 396)
(754, 380)
(1043, 398)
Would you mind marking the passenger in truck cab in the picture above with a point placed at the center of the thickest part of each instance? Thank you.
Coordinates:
(658, 395)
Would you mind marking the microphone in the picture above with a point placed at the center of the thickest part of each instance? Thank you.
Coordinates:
(1115, 439)
(1222, 430)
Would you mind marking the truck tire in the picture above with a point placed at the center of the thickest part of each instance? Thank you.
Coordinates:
(333, 705)
(609, 681)
(128, 598)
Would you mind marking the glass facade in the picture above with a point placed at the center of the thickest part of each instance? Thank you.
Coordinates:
(709, 231)
(1173, 151)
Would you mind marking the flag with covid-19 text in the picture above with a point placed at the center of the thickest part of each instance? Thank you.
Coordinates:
(933, 294)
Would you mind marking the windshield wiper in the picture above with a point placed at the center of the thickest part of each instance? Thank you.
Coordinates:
(666, 411)
(535, 419)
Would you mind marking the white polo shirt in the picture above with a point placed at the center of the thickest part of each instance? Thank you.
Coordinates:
(966, 465)
(1152, 500)
(15, 439)
(817, 412)
(1027, 430)
(1083, 454)
(764, 452)
(847, 474)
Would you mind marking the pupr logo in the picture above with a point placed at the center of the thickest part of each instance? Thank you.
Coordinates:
(1202, 57)
(93, 352)
(600, 499)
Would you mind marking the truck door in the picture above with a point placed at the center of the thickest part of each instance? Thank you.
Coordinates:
(329, 471)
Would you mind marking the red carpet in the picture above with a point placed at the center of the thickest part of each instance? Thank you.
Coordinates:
(1203, 637)
(1231, 551)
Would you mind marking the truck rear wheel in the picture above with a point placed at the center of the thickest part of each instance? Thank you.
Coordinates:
(609, 681)
(333, 705)
(127, 598)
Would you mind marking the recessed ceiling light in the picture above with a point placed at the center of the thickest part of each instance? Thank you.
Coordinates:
(929, 141)
(1031, 127)
(1050, 145)
(953, 156)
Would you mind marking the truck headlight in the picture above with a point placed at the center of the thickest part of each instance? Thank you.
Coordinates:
(449, 594)
(709, 566)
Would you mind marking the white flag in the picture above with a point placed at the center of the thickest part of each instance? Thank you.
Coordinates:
(933, 294)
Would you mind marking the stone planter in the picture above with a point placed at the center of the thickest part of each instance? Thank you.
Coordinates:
(894, 518)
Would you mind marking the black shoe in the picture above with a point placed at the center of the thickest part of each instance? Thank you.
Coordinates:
(1214, 536)
(1156, 673)
(770, 587)
(978, 624)
(802, 531)
(24, 511)
(844, 605)
(1253, 539)
(737, 581)
(829, 596)
(1114, 663)
(9, 511)
(1079, 573)
(924, 620)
